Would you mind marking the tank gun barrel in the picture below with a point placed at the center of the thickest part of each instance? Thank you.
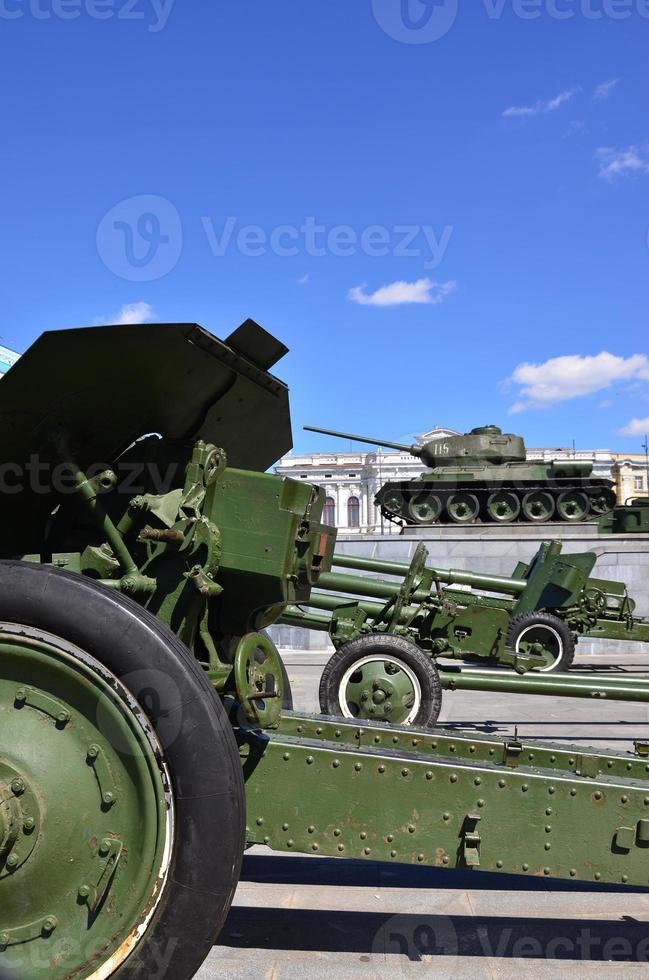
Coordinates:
(413, 450)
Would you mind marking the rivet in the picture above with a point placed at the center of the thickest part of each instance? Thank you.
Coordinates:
(290, 842)
(472, 748)
(260, 821)
(429, 775)
(526, 867)
(395, 739)
(50, 924)
(548, 811)
(547, 845)
(367, 850)
(597, 876)
(284, 826)
(84, 891)
(286, 756)
(300, 728)
(524, 788)
(12, 861)
(625, 799)
(553, 758)
(377, 739)
(63, 717)
(502, 783)
(315, 847)
(625, 878)
(337, 733)
(318, 731)
(571, 762)
(546, 871)
(341, 847)
(266, 840)
(499, 864)
(390, 838)
(421, 857)
(411, 828)
(433, 745)
(358, 766)
(93, 751)
(548, 829)
(551, 790)
(337, 832)
(28, 824)
(363, 835)
(453, 777)
(17, 787)
(573, 792)
(405, 772)
(446, 816)
(109, 799)
(309, 760)
(492, 751)
(477, 781)
(21, 695)
(336, 763)
(311, 829)
(598, 795)
(445, 860)
(573, 872)
(393, 854)
(451, 748)
(381, 769)
(480, 803)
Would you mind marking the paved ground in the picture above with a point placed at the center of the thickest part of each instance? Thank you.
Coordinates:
(297, 918)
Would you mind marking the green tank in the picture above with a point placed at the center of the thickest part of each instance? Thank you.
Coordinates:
(484, 475)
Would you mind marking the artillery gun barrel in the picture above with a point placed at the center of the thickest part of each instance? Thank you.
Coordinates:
(450, 576)
(556, 685)
(371, 442)
(373, 587)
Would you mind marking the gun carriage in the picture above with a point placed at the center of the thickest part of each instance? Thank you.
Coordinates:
(145, 733)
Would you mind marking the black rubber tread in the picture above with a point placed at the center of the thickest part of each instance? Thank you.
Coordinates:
(385, 644)
(520, 622)
(200, 751)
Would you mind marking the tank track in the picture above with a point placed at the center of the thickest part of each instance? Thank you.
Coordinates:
(421, 503)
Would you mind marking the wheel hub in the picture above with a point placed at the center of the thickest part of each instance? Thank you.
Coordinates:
(85, 814)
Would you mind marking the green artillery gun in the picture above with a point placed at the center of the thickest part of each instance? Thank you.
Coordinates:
(629, 518)
(530, 621)
(484, 475)
(143, 738)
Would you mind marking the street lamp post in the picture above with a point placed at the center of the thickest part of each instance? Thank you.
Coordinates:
(645, 446)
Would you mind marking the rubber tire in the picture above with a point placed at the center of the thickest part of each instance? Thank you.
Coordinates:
(385, 644)
(200, 751)
(518, 623)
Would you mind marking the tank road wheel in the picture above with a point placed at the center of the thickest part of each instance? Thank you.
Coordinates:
(602, 501)
(382, 678)
(425, 508)
(542, 633)
(538, 506)
(573, 505)
(393, 503)
(503, 506)
(121, 792)
(463, 507)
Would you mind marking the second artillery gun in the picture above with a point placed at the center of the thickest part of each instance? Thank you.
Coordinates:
(484, 475)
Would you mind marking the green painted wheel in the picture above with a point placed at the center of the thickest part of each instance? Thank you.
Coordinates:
(538, 506)
(602, 501)
(259, 679)
(86, 818)
(116, 763)
(425, 508)
(503, 506)
(463, 507)
(573, 505)
(381, 677)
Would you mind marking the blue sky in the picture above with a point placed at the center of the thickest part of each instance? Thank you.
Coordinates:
(442, 208)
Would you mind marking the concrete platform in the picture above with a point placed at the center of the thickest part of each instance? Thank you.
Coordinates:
(299, 917)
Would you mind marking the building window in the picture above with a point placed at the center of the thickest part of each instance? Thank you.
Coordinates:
(638, 483)
(352, 475)
(329, 514)
(353, 512)
(327, 476)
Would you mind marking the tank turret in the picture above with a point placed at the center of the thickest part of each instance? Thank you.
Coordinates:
(484, 475)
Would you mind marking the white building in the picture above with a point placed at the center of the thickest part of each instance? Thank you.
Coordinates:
(352, 479)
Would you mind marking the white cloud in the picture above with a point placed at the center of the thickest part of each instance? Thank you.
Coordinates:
(540, 107)
(636, 427)
(622, 162)
(573, 376)
(303, 280)
(129, 313)
(604, 89)
(398, 293)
